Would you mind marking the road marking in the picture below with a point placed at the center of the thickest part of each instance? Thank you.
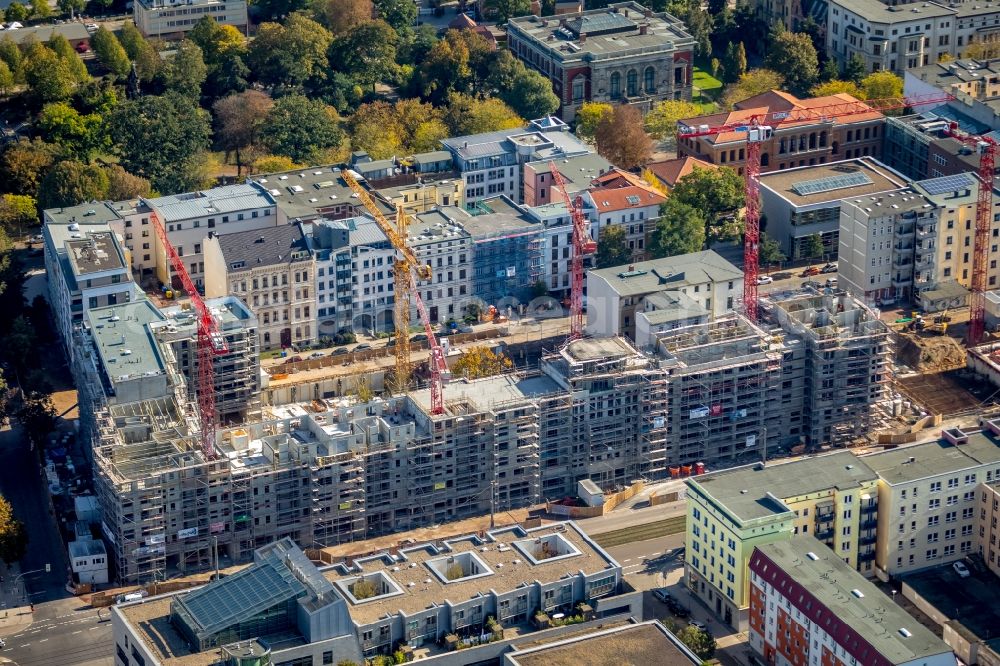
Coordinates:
(43, 640)
(95, 628)
(77, 632)
(26, 645)
(627, 559)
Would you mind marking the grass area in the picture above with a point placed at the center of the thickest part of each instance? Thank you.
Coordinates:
(707, 90)
(274, 353)
(654, 530)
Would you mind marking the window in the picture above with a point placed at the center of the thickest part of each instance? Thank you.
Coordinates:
(579, 87)
(632, 83)
(649, 80)
(616, 85)
(934, 504)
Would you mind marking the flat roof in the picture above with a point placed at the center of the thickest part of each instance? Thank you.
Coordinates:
(820, 572)
(436, 226)
(96, 252)
(490, 391)
(577, 170)
(124, 340)
(596, 349)
(420, 588)
(305, 193)
(86, 548)
(647, 643)
(84, 214)
(494, 217)
(880, 179)
(221, 200)
(744, 491)
(545, 144)
(668, 273)
(228, 310)
(934, 458)
(72, 31)
(879, 13)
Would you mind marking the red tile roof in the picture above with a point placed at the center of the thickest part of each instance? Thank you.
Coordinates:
(621, 190)
(671, 171)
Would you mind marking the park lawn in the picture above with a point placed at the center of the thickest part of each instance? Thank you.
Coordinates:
(707, 84)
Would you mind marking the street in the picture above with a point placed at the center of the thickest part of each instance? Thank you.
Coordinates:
(64, 633)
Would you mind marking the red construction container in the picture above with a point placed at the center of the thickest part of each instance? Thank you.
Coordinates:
(699, 468)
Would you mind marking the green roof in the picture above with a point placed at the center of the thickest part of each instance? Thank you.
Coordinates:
(751, 492)
(934, 458)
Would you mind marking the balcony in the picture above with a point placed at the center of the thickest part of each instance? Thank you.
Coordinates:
(866, 556)
(869, 509)
(869, 524)
(824, 534)
(867, 540)
(824, 517)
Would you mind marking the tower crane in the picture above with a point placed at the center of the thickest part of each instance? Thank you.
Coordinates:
(986, 146)
(583, 245)
(210, 343)
(759, 128)
(407, 270)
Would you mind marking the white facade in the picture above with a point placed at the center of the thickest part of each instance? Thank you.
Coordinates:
(444, 245)
(172, 19)
(558, 243)
(89, 561)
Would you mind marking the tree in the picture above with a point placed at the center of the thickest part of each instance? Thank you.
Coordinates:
(110, 53)
(589, 116)
(612, 249)
(770, 251)
(216, 41)
(62, 48)
(479, 362)
(160, 138)
(836, 87)
(123, 185)
(661, 121)
(6, 79)
(407, 126)
(17, 212)
(715, 193)
(829, 71)
(273, 164)
(982, 50)
(854, 68)
(79, 135)
(735, 64)
(879, 85)
(17, 12)
(71, 7)
(680, 230)
(185, 72)
(287, 55)
(13, 534)
(621, 138)
(811, 247)
(400, 14)
(301, 129)
(470, 115)
(754, 82)
(700, 642)
(11, 55)
(508, 9)
(23, 164)
(37, 416)
(366, 53)
(461, 62)
(239, 121)
(700, 25)
(794, 55)
(69, 183)
(40, 10)
(47, 76)
(342, 15)
(147, 61)
(530, 94)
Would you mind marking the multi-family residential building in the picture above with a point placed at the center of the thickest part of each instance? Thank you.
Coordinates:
(617, 295)
(311, 193)
(793, 142)
(973, 84)
(901, 36)
(730, 513)
(929, 499)
(493, 163)
(172, 19)
(620, 199)
(806, 201)
(624, 53)
(578, 173)
(808, 606)
(86, 266)
(439, 240)
(416, 183)
(988, 521)
(669, 172)
(273, 271)
(190, 217)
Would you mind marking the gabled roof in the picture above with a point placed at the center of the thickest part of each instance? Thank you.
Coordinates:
(671, 171)
(621, 190)
(462, 22)
(246, 250)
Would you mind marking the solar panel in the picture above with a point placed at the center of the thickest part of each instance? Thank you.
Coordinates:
(831, 183)
(946, 184)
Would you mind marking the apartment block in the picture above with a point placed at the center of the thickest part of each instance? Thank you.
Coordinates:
(172, 19)
(507, 252)
(988, 522)
(620, 199)
(617, 297)
(304, 195)
(440, 241)
(805, 201)
(973, 84)
(273, 271)
(729, 514)
(929, 497)
(808, 606)
(793, 142)
(623, 54)
(577, 172)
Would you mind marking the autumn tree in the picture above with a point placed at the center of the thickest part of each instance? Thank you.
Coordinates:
(68, 55)
(110, 52)
(404, 127)
(880, 85)
(837, 87)
(794, 55)
(589, 116)
(11, 55)
(13, 534)
(339, 16)
(301, 128)
(17, 212)
(661, 121)
(17, 12)
(123, 185)
(679, 230)
(621, 138)
(49, 78)
(273, 164)
(466, 114)
(239, 121)
(461, 62)
(754, 82)
(23, 164)
(480, 361)
(982, 50)
(612, 248)
(40, 10)
(6, 79)
(287, 55)
(69, 183)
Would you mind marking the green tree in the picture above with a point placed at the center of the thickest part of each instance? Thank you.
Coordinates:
(366, 53)
(836, 87)
(161, 138)
(661, 121)
(287, 55)
(754, 82)
(110, 53)
(612, 249)
(812, 247)
(470, 115)
(770, 251)
(229, 76)
(461, 62)
(508, 9)
(700, 25)
(680, 230)
(185, 72)
(13, 534)
(69, 183)
(138, 49)
(589, 116)
(880, 85)
(23, 164)
(400, 14)
(123, 185)
(216, 41)
(735, 64)
(11, 55)
(17, 12)
(793, 55)
(6, 79)
(700, 642)
(854, 69)
(62, 48)
(530, 94)
(17, 212)
(621, 138)
(717, 194)
(40, 10)
(80, 136)
(47, 75)
(37, 416)
(829, 71)
(240, 120)
(301, 129)
(71, 7)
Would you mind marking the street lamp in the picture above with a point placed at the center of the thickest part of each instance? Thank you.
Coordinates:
(13, 586)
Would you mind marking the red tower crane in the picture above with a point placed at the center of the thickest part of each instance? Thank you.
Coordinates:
(583, 245)
(438, 366)
(210, 342)
(759, 128)
(987, 148)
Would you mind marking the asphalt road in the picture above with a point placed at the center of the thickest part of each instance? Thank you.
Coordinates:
(66, 637)
(647, 557)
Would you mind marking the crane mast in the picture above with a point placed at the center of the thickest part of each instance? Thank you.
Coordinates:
(583, 245)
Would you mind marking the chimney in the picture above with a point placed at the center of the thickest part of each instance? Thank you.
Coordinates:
(583, 37)
(643, 29)
(648, 13)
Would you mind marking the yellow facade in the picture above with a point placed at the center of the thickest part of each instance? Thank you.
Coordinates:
(422, 197)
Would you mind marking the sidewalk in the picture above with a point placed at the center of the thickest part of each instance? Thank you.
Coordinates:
(15, 620)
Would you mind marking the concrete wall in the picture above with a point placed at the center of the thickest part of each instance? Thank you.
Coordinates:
(925, 606)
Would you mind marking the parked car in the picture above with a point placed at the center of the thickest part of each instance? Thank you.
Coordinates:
(662, 594)
(809, 272)
(418, 337)
(765, 279)
(340, 350)
(91, 27)
(677, 609)
(829, 268)
(293, 359)
(811, 283)
(363, 346)
(318, 354)
(961, 569)
(831, 283)
(697, 625)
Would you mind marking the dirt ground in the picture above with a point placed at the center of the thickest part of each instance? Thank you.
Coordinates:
(930, 352)
(946, 392)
